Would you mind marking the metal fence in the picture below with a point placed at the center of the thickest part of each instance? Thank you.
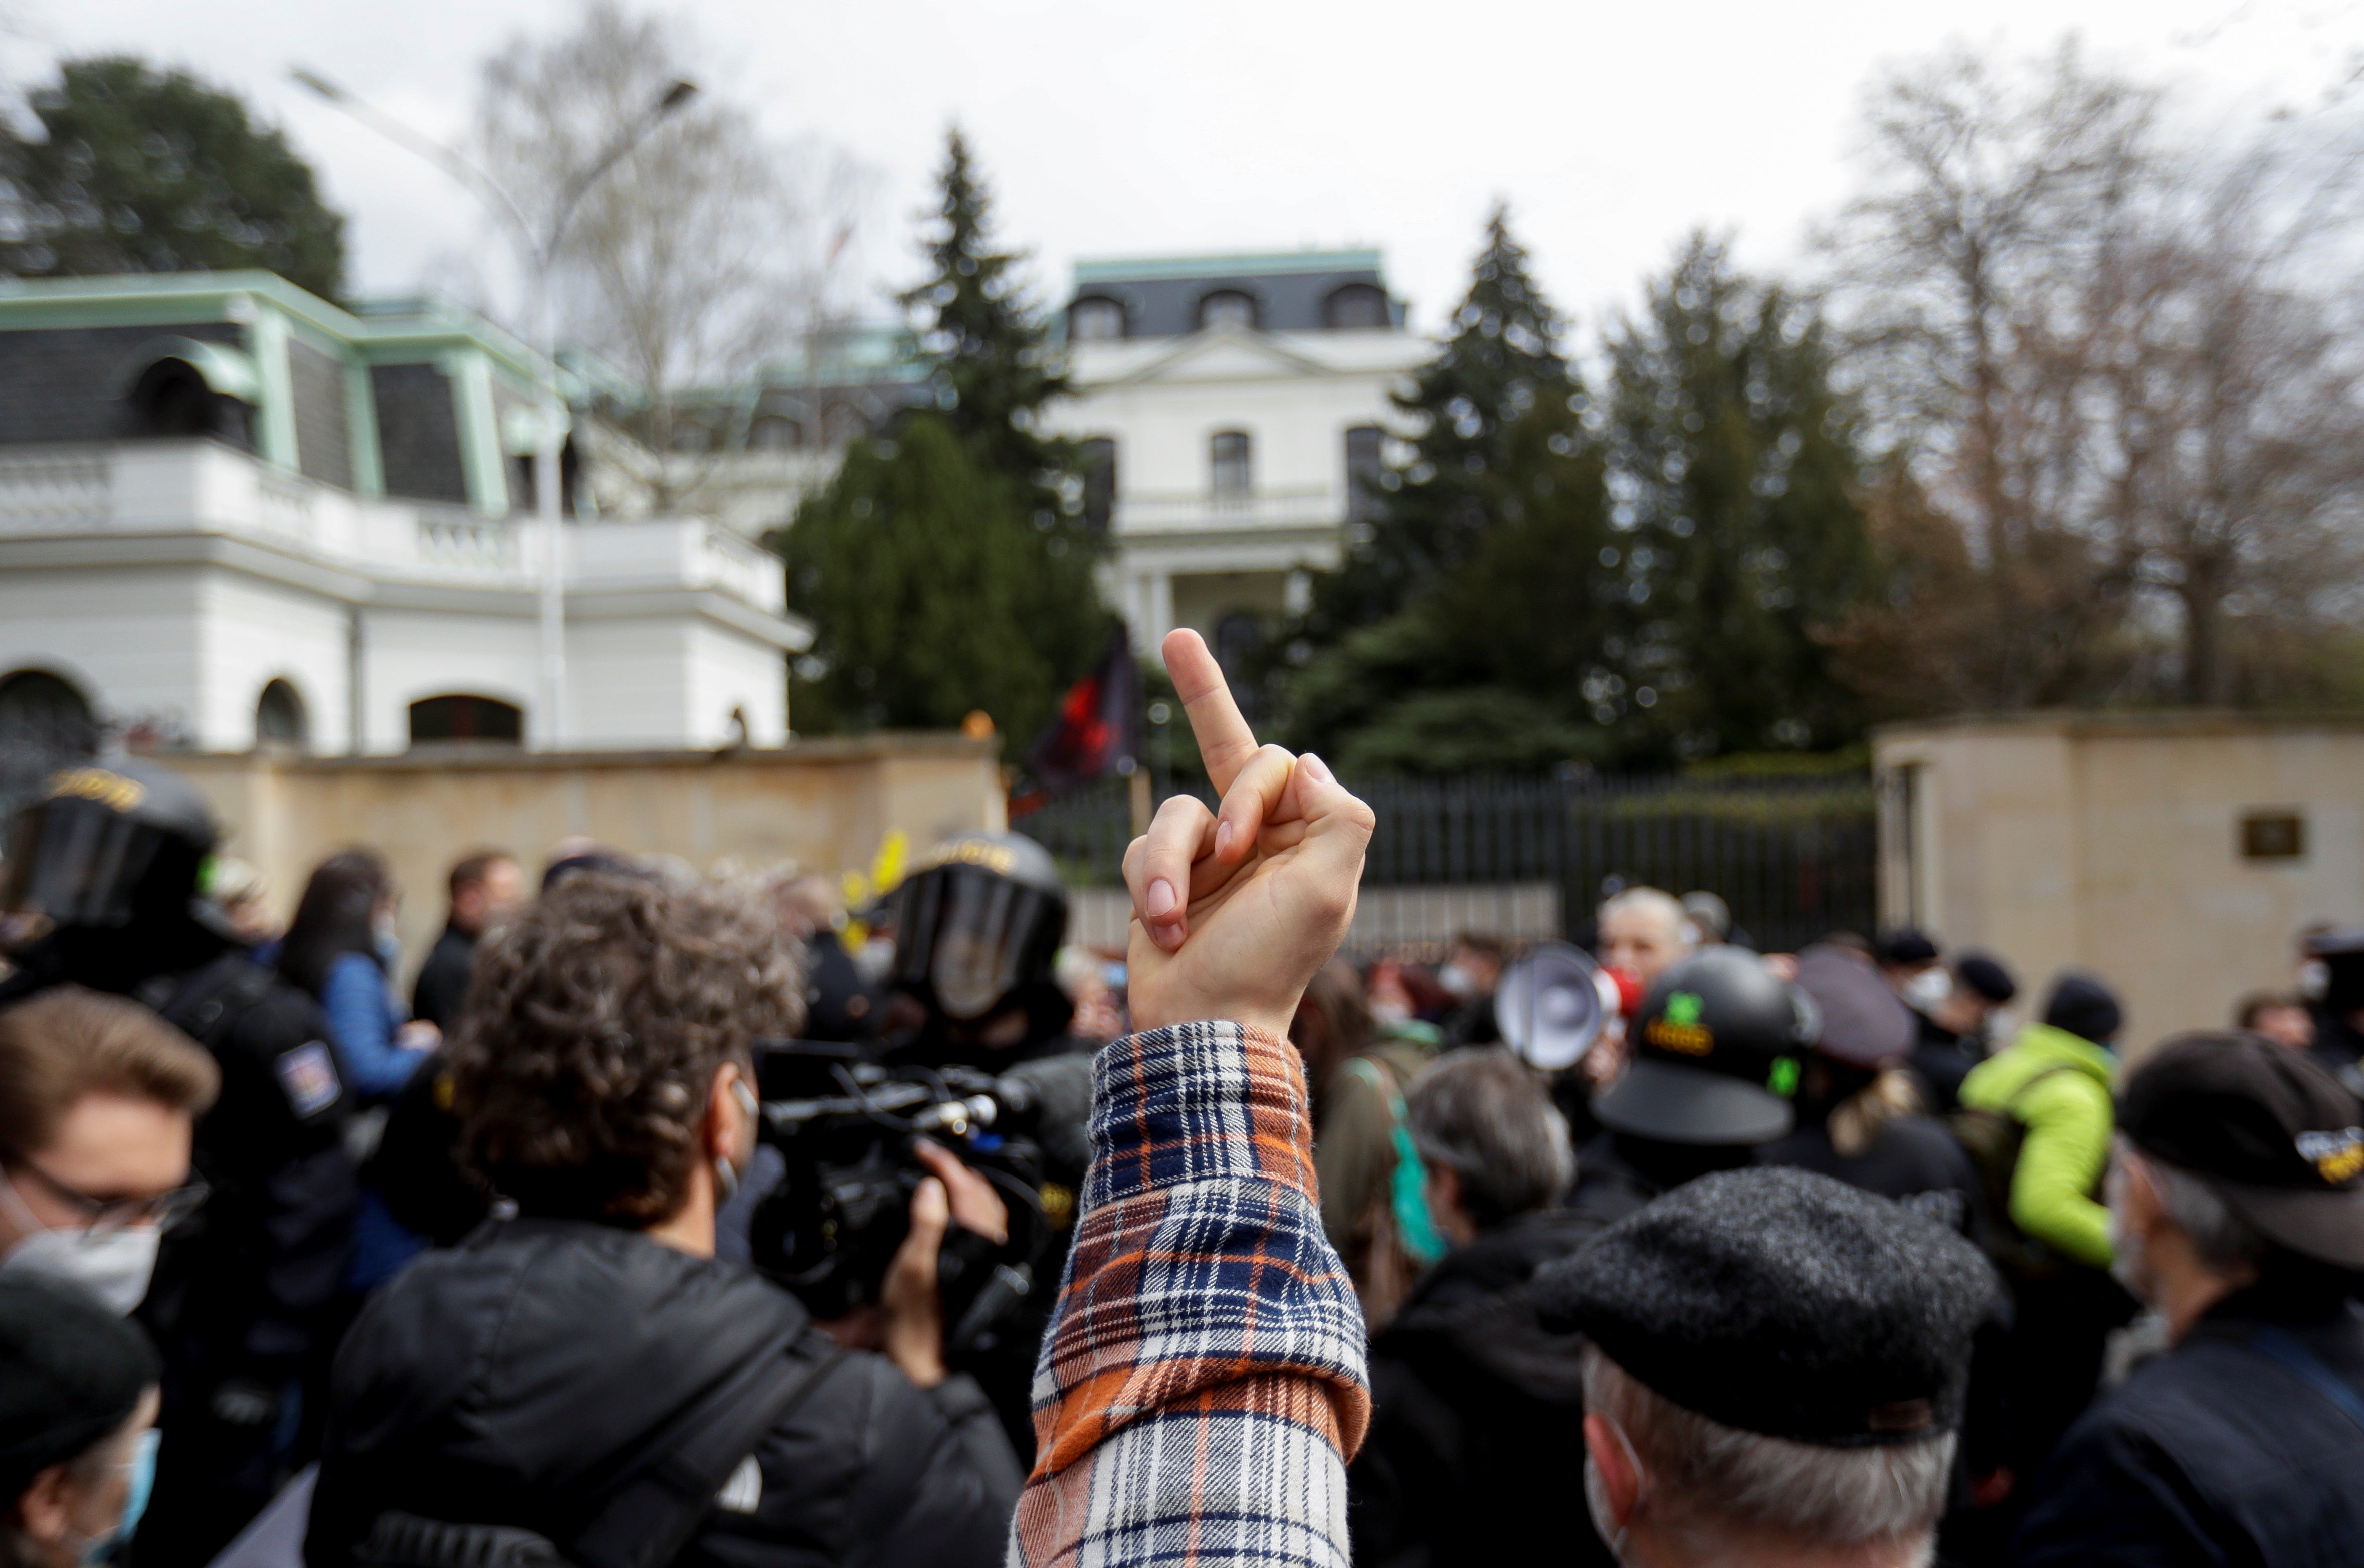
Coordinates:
(1795, 859)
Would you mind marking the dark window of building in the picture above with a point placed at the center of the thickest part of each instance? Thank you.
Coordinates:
(1100, 484)
(1227, 308)
(1230, 464)
(1355, 307)
(1239, 650)
(1094, 319)
(171, 399)
(279, 717)
(1367, 448)
(42, 715)
(525, 496)
(418, 434)
(484, 720)
(775, 433)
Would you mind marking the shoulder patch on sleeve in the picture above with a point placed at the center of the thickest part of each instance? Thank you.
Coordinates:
(308, 1073)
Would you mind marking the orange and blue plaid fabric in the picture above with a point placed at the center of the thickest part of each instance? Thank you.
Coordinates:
(1202, 1383)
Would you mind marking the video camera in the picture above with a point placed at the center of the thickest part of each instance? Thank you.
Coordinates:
(846, 1128)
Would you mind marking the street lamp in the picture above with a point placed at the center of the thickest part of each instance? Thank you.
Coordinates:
(538, 250)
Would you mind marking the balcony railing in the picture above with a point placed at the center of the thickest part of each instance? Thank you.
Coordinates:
(203, 487)
(1308, 506)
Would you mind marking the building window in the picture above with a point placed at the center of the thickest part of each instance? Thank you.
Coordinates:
(279, 716)
(1100, 484)
(485, 721)
(42, 718)
(1227, 308)
(1093, 319)
(172, 398)
(775, 433)
(1230, 463)
(1366, 460)
(1355, 307)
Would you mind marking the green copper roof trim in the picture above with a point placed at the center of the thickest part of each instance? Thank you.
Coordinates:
(1153, 269)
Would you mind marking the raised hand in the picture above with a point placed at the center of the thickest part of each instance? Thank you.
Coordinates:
(1235, 910)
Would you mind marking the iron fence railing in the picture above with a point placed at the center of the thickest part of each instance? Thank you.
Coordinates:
(1794, 858)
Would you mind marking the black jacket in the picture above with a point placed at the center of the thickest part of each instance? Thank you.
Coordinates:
(1475, 1451)
(515, 1379)
(2213, 1453)
(1914, 1160)
(1940, 1060)
(442, 982)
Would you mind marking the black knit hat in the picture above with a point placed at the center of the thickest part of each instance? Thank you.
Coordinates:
(1987, 977)
(71, 1371)
(1782, 1302)
(2085, 1007)
(2273, 1135)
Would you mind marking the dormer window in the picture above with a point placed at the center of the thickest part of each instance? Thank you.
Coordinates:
(1227, 308)
(1229, 462)
(1355, 307)
(1095, 319)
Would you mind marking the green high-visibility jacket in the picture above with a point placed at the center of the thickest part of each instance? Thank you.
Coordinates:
(2068, 1119)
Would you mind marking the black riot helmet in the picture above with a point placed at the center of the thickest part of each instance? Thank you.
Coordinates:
(1717, 1048)
(978, 928)
(109, 845)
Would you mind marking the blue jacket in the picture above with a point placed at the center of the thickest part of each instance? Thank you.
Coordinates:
(363, 1017)
(2211, 1454)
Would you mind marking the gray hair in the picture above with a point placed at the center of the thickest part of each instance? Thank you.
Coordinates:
(2224, 1242)
(1665, 906)
(1481, 1114)
(1705, 1477)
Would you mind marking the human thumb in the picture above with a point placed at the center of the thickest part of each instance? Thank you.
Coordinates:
(931, 1211)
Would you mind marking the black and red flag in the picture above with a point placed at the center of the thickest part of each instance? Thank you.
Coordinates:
(1097, 732)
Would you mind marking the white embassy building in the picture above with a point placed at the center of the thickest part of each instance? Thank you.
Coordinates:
(1226, 403)
(233, 513)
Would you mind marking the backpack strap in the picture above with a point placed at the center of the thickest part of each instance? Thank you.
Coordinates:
(649, 1516)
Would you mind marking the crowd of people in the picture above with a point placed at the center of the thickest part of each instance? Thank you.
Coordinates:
(664, 1219)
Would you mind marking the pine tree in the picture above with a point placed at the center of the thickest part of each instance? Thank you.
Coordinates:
(1502, 362)
(990, 346)
(949, 570)
(138, 170)
(932, 593)
(1739, 462)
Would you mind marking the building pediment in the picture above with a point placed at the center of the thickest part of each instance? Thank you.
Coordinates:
(1223, 354)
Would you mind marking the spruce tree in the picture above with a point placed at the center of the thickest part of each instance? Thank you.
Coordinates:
(1738, 461)
(1502, 362)
(140, 171)
(991, 348)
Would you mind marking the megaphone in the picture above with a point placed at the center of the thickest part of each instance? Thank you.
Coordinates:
(1553, 1004)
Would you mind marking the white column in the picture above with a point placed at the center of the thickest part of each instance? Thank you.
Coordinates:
(1159, 611)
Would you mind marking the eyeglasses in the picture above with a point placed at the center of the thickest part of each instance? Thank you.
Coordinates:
(102, 1217)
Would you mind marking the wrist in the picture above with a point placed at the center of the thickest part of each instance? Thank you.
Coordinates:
(924, 1370)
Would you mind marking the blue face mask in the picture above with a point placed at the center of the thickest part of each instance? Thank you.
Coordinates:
(142, 1466)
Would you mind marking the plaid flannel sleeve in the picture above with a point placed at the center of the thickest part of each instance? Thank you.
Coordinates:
(1202, 1383)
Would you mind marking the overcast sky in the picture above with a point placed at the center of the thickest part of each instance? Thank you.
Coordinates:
(1125, 129)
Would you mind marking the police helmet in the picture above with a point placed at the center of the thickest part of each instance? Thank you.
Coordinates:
(1718, 1046)
(979, 927)
(108, 843)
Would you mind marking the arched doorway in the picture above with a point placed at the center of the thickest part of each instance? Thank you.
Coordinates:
(466, 718)
(280, 719)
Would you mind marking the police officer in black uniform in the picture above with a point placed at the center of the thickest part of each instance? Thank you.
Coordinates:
(247, 1293)
(977, 930)
(2338, 1047)
(1719, 1047)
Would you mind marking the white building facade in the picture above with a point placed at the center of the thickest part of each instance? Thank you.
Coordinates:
(1228, 404)
(233, 514)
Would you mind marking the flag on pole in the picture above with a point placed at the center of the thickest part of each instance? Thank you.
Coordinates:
(1096, 733)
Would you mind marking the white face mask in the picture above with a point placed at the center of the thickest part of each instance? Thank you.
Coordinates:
(113, 1266)
(1929, 989)
(1457, 980)
(2127, 1264)
(2314, 979)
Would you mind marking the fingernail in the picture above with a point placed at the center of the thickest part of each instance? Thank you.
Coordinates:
(1317, 767)
(1223, 837)
(1161, 898)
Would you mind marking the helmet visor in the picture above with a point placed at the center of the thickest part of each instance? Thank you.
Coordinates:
(971, 938)
(76, 863)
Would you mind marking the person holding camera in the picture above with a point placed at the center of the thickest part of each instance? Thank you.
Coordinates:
(584, 1371)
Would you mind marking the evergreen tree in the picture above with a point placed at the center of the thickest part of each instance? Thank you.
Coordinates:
(991, 348)
(1737, 464)
(950, 570)
(142, 171)
(1501, 362)
(932, 593)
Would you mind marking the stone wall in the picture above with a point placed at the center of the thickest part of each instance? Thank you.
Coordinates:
(826, 805)
(2176, 855)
